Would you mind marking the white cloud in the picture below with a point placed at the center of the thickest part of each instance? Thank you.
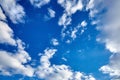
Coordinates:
(109, 23)
(83, 23)
(70, 7)
(6, 34)
(39, 3)
(65, 20)
(2, 15)
(11, 64)
(73, 33)
(13, 10)
(78, 30)
(54, 42)
(47, 71)
(113, 68)
(14, 63)
(51, 13)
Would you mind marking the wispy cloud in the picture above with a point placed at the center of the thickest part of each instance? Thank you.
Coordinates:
(39, 3)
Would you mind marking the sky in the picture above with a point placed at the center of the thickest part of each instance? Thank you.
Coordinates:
(59, 40)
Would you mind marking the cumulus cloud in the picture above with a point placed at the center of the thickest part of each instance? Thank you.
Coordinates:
(13, 10)
(109, 23)
(47, 71)
(70, 7)
(10, 64)
(39, 3)
(14, 63)
(6, 34)
(113, 68)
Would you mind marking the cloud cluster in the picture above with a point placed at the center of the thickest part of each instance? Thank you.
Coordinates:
(70, 7)
(109, 23)
(47, 71)
(12, 62)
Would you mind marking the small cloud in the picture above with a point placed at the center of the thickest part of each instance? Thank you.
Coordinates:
(39, 3)
(51, 13)
(70, 7)
(54, 42)
(83, 23)
(63, 58)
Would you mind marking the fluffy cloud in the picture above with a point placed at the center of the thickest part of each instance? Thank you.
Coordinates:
(39, 3)
(10, 64)
(72, 33)
(70, 7)
(13, 10)
(110, 28)
(6, 34)
(14, 63)
(113, 68)
(47, 71)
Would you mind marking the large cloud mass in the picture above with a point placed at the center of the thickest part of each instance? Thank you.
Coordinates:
(110, 29)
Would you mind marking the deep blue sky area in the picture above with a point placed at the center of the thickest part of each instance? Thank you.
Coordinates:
(60, 37)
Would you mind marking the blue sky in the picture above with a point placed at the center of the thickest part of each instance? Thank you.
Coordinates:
(59, 40)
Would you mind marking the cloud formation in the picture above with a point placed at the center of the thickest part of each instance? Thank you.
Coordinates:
(70, 7)
(39, 3)
(14, 63)
(13, 10)
(6, 34)
(109, 23)
(47, 71)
